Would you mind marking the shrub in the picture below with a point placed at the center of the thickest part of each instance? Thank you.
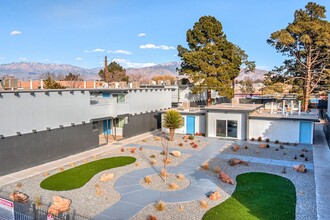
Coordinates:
(147, 179)
(144, 140)
(173, 186)
(18, 185)
(180, 144)
(205, 166)
(163, 173)
(295, 157)
(259, 138)
(252, 139)
(281, 146)
(277, 141)
(302, 155)
(153, 161)
(267, 146)
(38, 201)
(216, 169)
(204, 204)
(246, 147)
(267, 140)
(160, 205)
(152, 156)
(180, 176)
(191, 137)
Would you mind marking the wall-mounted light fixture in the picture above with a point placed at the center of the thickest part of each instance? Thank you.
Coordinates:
(34, 130)
(61, 126)
(48, 129)
(73, 124)
(18, 133)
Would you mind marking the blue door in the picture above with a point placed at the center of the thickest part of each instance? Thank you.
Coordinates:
(105, 95)
(305, 133)
(190, 126)
(107, 126)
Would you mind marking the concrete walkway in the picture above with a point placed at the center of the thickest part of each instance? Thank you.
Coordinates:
(23, 174)
(321, 157)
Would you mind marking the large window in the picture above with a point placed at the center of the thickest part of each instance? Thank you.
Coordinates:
(226, 128)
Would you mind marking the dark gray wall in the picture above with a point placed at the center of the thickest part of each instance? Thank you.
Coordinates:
(28, 150)
(139, 124)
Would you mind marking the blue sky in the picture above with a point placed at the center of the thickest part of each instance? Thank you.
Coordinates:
(135, 33)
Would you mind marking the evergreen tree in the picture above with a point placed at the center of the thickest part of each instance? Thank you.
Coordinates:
(116, 73)
(306, 43)
(247, 86)
(211, 61)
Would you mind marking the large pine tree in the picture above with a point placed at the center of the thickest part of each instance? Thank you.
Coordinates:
(306, 43)
(211, 61)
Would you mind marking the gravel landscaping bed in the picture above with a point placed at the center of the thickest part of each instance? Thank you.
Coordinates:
(178, 142)
(95, 196)
(159, 184)
(275, 151)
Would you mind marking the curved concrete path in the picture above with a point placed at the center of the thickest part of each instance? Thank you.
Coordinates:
(134, 197)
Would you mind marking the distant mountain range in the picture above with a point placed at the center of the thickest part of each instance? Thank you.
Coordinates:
(27, 70)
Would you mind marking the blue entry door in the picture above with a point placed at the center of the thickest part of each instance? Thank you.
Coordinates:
(190, 126)
(305, 133)
(107, 126)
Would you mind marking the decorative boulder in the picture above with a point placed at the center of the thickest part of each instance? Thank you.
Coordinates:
(59, 205)
(176, 153)
(214, 196)
(106, 177)
(235, 161)
(300, 168)
(224, 177)
(19, 197)
(236, 147)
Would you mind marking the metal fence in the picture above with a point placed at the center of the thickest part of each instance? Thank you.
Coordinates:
(30, 211)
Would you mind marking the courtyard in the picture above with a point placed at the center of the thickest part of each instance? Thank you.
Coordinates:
(137, 190)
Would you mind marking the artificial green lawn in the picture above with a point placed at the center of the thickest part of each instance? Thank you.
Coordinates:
(258, 196)
(77, 177)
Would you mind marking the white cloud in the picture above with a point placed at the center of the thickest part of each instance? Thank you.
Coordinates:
(142, 35)
(15, 33)
(97, 50)
(120, 51)
(79, 58)
(23, 58)
(128, 64)
(153, 46)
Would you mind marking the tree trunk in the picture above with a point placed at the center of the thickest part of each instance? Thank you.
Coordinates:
(172, 131)
(208, 97)
(307, 87)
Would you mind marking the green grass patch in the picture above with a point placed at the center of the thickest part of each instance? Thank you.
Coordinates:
(77, 177)
(258, 196)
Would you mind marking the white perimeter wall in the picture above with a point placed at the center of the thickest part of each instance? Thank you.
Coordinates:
(199, 125)
(213, 116)
(26, 112)
(281, 130)
(146, 100)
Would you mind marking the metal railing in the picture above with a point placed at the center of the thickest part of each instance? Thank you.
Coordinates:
(30, 211)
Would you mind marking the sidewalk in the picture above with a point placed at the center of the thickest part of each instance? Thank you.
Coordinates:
(23, 174)
(321, 154)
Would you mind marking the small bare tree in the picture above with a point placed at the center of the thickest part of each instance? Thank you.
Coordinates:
(164, 143)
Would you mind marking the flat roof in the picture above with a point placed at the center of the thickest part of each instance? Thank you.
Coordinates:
(279, 116)
(123, 90)
(230, 107)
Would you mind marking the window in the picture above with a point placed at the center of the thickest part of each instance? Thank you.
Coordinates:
(226, 128)
(95, 126)
(120, 98)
